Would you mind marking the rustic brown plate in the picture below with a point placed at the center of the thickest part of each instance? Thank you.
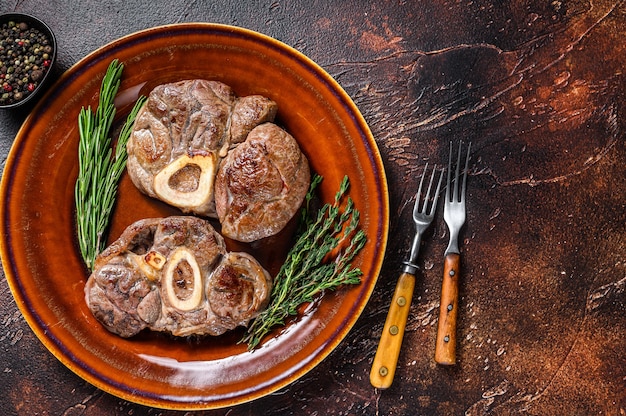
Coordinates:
(39, 250)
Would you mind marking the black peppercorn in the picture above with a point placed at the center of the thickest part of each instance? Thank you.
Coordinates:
(25, 56)
(36, 75)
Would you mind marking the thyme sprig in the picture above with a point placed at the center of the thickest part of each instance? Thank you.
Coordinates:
(99, 169)
(320, 260)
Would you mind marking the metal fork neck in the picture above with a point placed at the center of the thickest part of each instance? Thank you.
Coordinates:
(410, 268)
(410, 265)
(453, 244)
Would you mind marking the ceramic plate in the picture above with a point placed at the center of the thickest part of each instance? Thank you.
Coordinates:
(39, 250)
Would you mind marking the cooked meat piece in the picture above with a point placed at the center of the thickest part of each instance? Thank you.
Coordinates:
(261, 184)
(234, 297)
(174, 275)
(180, 135)
(248, 113)
(114, 295)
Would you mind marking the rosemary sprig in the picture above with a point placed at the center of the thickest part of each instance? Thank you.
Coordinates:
(99, 169)
(320, 260)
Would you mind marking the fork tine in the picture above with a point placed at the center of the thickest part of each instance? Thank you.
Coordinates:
(423, 207)
(430, 186)
(436, 196)
(449, 174)
(455, 196)
(456, 193)
(416, 206)
(469, 148)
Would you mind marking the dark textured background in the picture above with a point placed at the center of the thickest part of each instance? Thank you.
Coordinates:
(539, 88)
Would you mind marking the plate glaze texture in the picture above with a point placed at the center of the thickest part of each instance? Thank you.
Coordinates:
(39, 249)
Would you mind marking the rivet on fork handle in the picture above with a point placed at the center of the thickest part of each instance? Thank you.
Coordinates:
(445, 348)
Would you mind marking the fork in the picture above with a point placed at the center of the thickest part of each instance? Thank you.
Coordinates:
(386, 358)
(454, 216)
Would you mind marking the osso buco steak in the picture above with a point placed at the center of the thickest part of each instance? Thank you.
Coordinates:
(197, 146)
(175, 275)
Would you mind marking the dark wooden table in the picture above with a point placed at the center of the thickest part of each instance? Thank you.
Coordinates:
(539, 88)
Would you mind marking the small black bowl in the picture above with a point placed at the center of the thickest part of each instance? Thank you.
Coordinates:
(40, 86)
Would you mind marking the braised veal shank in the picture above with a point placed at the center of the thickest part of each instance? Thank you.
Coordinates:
(175, 275)
(197, 146)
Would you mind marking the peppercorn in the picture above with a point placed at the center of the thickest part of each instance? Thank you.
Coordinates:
(36, 75)
(25, 57)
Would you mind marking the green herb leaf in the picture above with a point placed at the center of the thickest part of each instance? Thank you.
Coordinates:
(320, 260)
(99, 169)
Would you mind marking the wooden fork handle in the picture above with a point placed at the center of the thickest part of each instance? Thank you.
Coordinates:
(445, 348)
(386, 358)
